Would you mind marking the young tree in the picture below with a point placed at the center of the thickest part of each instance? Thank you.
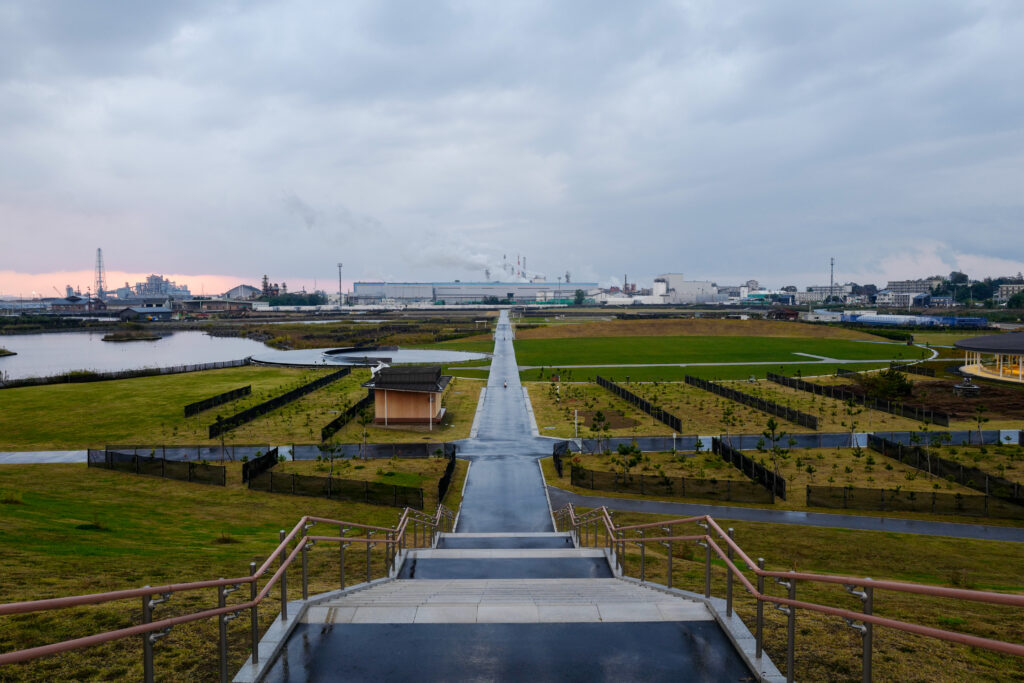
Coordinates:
(980, 420)
(328, 451)
(775, 436)
(852, 410)
(728, 420)
(364, 420)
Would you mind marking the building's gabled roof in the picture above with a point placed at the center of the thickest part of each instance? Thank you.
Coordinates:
(420, 378)
(147, 310)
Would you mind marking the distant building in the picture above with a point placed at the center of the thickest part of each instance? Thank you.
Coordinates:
(242, 292)
(820, 293)
(73, 305)
(676, 290)
(468, 292)
(194, 306)
(145, 314)
(1006, 291)
(890, 299)
(155, 285)
(913, 286)
(408, 395)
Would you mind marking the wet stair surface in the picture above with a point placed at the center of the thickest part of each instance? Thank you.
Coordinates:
(506, 597)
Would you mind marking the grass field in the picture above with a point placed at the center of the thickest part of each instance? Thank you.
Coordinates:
(696, 349)
(700, 327)
(141, 410)
(69, 530)
(667, 373)
(827, 650)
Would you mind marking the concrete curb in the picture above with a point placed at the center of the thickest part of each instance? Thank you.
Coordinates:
(458, 513)
(529, 411)
(476, 416)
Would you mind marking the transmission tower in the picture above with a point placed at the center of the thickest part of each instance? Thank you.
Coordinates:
(101, 276)
(341, 291)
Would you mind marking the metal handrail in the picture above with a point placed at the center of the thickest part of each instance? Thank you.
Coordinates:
(394, 539)
(618, 538)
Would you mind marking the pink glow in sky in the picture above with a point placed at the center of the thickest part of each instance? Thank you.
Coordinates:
(13, 283)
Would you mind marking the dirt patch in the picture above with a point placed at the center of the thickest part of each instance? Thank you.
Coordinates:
(1001, 401)
(614, 418)
(692, 327)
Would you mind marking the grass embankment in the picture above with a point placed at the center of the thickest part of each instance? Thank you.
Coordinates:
(5, 352)
(70, 530)
(460, 401)
(139, 410)
(826, 649)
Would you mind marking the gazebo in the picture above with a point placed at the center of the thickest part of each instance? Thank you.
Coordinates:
(408, 395)
(994, 356)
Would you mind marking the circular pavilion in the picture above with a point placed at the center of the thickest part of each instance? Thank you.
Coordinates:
(994, 356)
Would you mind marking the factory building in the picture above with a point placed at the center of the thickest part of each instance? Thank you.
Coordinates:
(468, 292)
(675, 290)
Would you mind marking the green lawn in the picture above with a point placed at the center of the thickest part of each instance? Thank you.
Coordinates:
(683, 349)
(139, 410)
(676, 374)
(69, 530)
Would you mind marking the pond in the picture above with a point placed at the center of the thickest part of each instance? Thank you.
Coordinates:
(41, 355)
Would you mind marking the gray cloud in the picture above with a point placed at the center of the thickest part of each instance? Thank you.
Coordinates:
(423, 140)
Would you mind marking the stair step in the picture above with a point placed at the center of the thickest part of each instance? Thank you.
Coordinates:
(502, 553)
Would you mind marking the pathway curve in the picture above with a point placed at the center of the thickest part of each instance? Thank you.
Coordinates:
(560, 497)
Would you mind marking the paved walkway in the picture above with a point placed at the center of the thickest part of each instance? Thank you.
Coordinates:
(560, 497)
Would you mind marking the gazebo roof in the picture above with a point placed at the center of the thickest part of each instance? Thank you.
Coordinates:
(1012, 343)
(418, 378)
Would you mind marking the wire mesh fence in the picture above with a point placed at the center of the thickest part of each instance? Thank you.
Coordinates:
(774, 483)
(150, 465)
(332, 427)
(659, 485)
(81, 376)
(910, 411)
(259, 465)
(965, 475)
(898, 500)
(228, 396)
(250, 414)
(641, 404)
(338, 489)
(771, 407)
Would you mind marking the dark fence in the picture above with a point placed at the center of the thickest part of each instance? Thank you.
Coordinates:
(559, 451)
(774, 484)
(648, 444)
(912, 369)
(658, 485)
(446, 479)
(79, 376)
(372, 451)
(152, 466)
(258, 466)
(843, 372)
(934, 502)
(913, 412)
(641, 403)
(195, 452)
(331, 428)
(770, 407)
(250, 414)
(971, 477)
(228, 396)
(338, 489)
(754, 442)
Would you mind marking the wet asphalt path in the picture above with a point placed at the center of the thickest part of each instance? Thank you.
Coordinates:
(505, 490)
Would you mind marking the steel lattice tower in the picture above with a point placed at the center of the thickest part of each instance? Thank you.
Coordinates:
(101, 283)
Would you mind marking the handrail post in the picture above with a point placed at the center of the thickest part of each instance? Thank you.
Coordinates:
(668, 532)
(369, 534)
(223, 619)
(868, 633)
(284, 580)
(707, 568)
(759, 629)
(790, 629)
(643, 556)
(254, 625)
(341, 554)
(728, 579)
(305, 563)
(147, 644)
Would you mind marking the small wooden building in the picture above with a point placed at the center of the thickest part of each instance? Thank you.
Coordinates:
(408, 395)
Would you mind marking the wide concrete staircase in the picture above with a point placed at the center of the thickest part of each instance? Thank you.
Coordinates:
(508, 606)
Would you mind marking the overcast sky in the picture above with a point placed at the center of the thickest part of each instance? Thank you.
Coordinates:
(418, 140)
